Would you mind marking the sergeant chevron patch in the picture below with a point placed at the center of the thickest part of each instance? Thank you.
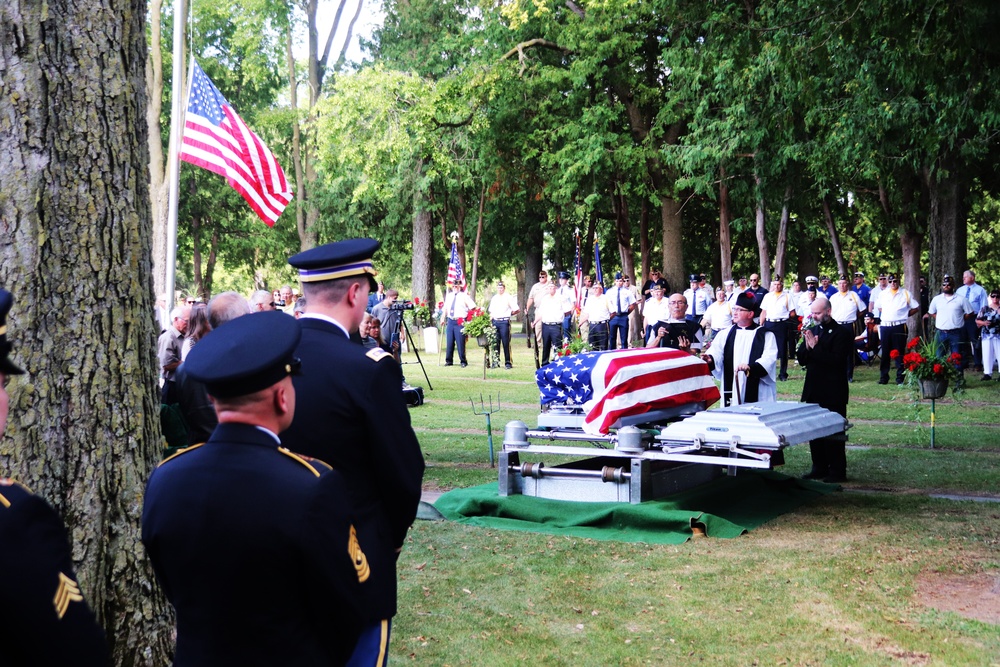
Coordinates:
(377, 354)
(67, 592)
(358, 557)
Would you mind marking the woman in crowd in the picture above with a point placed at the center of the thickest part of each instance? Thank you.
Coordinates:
(988, 321)
(198, 326)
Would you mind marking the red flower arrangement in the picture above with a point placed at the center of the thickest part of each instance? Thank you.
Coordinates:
(923, 361)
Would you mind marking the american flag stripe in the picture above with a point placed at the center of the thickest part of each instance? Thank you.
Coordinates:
(216, 138)
(637, 381)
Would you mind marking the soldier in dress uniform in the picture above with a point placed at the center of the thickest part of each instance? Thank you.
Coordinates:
(44, 619)
(350, 412)
(253, 544)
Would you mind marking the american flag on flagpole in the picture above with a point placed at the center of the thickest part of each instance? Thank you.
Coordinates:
(455, 274)
(578, 275)
(616, 383)
(598, 274)
(217, 139)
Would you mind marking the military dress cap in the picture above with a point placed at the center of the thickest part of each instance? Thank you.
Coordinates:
(728, 282)
(747, 300)
(694, 278)
(564, 274)
(341, 259)
(246, 355)
(7, 366)
(811, 279)
(859, 274)
(869, 315)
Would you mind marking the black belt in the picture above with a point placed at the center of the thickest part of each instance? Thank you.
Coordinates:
(501, 319)
(621, 314)
(950, 330)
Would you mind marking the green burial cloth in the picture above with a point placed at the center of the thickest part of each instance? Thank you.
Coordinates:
(726, 507)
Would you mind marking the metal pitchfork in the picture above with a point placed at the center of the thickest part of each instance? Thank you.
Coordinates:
(482, 410)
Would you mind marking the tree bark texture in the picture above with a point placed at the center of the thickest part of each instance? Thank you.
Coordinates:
(673, 252)
(781, 248)
(763, 248)
(421, 265)
(948, 225)
(831, 227)
(75, 214)
(725, 232)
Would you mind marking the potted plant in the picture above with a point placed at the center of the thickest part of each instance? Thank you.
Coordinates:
(421, 313)
(477, 324)
(576, 345)
(930, 369)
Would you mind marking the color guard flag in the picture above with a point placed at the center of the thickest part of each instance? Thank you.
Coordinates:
(216, 139)
(598, 274)
(455, 274)
(578, 277)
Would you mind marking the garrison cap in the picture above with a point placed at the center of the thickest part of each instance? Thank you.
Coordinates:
(948, 280)
(246, 355)
(844, 276)
(892, 277)
(618, 275)
(7, 366)
(341, 259)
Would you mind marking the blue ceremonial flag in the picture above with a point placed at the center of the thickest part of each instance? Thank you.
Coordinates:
(577, 275)
(598, 274)
(455, 274)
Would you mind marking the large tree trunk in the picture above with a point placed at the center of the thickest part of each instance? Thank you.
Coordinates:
(74, 164)
(644, 241)
(763, 247)
(421, 265)
(831, 228)
(623, 233)
(725, 232)
(673, 255)
(782, 245)
(947, 225)
(479, 239)
(532, 265)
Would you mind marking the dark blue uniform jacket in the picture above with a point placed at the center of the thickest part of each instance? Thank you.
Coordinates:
(254, 547)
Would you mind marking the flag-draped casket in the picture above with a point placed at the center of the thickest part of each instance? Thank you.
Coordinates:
(619, 383)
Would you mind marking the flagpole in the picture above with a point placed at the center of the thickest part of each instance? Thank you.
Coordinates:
(173, 163)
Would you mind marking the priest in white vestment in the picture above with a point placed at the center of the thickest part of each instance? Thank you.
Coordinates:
(747, 351)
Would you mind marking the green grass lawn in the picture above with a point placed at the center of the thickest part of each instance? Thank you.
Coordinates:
(833, 583)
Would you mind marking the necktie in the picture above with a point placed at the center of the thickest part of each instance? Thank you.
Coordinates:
(619, 293)
(452, 310)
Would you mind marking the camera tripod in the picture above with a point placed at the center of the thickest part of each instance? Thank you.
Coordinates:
(401, 324)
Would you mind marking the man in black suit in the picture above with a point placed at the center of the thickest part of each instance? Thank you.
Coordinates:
(351, 413)
(253, 544)
(44, 619)
(825, 352)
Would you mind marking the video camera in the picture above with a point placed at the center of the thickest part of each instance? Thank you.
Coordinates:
(401, 305)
